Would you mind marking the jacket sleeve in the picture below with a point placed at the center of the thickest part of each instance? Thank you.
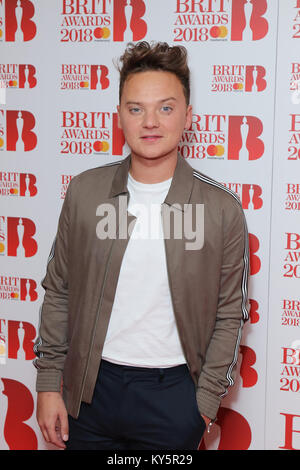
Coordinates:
(219, 368)
(51, 344)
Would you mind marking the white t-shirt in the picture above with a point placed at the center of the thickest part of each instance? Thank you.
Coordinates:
(142, 329)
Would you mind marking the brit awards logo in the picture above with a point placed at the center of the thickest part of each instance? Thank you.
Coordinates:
(17, 407)
(292, 200)
(290, 312)
(220, 20)
(231, 431)
(17, 20)
(249, 194)
(238, 78)
(90, 134)
(295, 82)
(17, 131)
(65, 180)
(292, 257)
(17, 237)
(19, 339)
(103, 20)
(215, 136)
(84, 77)
(290, 373)
(296, 20)
(17, 184)
(294, 142)
(15, 76)
(129, 22)
(17, 288)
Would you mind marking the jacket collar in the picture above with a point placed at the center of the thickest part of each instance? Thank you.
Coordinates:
(180, 189)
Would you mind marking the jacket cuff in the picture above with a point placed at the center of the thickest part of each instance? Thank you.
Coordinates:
(48, 380)
(208, 403)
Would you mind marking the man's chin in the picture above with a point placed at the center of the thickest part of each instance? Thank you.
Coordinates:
(154, 155)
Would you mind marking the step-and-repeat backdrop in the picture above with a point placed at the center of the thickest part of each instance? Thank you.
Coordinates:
(59, 92)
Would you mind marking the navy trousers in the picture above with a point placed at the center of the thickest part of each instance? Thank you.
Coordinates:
(139, 408)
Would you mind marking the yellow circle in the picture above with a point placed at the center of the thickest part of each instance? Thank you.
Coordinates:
(1, 33)
(223, 32)
(105, 146)
(241, 86)
(1, 142)
(105, 33)
(2, 247)
(219, 150)
(2, 349)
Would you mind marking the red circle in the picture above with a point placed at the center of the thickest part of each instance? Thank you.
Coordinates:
(236, 86)
(98, 33)
(98, 146)
(211, 150)
(215, 32)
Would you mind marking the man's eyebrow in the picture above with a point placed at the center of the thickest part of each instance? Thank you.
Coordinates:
(160, 101)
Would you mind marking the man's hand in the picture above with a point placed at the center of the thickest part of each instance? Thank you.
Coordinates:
(52, 418)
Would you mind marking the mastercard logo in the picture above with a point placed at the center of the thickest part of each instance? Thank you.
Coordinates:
(218, 32)
(84, 84)
(12, 83)
(238, 86)
(14, 295)
(215, 150)
(101, 146)
(102, 33)
(13, 191)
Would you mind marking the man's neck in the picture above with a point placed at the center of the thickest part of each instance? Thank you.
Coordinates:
(150, 171)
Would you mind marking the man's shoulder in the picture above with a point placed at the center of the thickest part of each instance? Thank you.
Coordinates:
(102, 171)
(100, 176)
(216, 191)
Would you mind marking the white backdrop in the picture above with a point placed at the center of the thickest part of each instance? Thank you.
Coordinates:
(59, 92)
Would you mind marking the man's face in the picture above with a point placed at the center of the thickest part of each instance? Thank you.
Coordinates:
(153, 114)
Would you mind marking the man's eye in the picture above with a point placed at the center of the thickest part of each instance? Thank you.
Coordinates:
(166, 109)
(134, 110)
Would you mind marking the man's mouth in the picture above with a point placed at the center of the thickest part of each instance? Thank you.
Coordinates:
(151, 138)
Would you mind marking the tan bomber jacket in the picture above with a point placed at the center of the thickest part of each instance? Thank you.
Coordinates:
(208, 285)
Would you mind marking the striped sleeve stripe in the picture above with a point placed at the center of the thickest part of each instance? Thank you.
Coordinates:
(244, 280)
(246, 250)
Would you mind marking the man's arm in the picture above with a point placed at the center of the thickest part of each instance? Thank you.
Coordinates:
(219, 369)
(51, 345)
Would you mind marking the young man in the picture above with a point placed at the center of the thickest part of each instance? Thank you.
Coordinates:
(143, 330)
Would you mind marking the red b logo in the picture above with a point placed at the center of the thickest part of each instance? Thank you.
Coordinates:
(247, 22)
(128, 22)
(18, 20)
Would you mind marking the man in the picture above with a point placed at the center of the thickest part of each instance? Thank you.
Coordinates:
(143, 331)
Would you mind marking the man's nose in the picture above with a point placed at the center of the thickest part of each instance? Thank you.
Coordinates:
(150, 119)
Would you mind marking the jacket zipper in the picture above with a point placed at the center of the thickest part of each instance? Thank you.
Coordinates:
(94, 329)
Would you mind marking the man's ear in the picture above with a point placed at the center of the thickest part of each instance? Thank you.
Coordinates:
(119, 119)
(189, 117)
